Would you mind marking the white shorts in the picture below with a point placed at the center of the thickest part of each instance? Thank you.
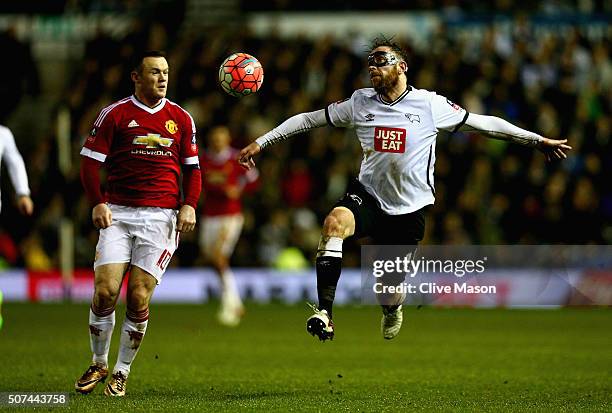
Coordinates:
(219, 234)
(143, 236)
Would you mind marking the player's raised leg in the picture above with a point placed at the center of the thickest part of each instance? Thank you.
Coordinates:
(338, 225)
(140, 289)
(108, 279)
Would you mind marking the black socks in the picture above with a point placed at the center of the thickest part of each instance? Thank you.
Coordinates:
(328, 274)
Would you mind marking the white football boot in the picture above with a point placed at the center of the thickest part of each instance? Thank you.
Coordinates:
(230, 315)
(320, 324)
(391, 322)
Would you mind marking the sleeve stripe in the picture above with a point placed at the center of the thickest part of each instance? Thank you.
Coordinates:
(106, 111)
(462, 122)
(93, 154)
(192, 160)
(327, 118)
(193, 128)
(102, 115)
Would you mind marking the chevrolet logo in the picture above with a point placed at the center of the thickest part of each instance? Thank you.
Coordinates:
(152, 140)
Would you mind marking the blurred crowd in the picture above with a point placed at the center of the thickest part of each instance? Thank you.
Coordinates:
(487, 191)
(445, 6)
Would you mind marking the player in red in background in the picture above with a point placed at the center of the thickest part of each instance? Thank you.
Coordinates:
(143, 141)
(224, 181)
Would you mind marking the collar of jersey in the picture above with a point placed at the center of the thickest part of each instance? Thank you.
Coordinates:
(400, 97)
(142, 106)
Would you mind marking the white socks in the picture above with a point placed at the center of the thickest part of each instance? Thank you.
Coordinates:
(132, 334)
(229, 290)
(330, 248)
(100, 332)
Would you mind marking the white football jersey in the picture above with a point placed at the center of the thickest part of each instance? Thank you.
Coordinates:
(398, 140)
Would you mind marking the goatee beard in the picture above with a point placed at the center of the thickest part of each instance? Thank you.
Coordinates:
(386, 84)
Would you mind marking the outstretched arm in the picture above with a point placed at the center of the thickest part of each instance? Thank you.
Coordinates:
(19, 177)
(301, 122)
(498, 128)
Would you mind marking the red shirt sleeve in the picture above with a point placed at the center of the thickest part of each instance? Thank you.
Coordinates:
(98, 143)
(190, 160)
(94, 152)
(192, 185)
(90, 178)
(189, 145)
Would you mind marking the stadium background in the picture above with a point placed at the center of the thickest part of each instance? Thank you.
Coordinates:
(542, 65)
(546, 68)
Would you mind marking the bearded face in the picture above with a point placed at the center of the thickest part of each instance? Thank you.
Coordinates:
(384, 69)
(385, 79)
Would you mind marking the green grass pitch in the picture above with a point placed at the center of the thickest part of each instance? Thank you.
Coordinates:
(443, 359)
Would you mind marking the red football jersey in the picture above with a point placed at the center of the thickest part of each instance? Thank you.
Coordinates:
(142, 149)
(220, 173)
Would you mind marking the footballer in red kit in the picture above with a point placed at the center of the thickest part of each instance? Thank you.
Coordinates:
(145, 143)
(224, 181)
(143, 149)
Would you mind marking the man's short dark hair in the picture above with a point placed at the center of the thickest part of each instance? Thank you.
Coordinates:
(139, 58)
(383, 40)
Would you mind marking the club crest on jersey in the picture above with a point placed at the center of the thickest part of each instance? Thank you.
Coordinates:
(152, 141)
(171, 126)
(412, 117)
(389, 139)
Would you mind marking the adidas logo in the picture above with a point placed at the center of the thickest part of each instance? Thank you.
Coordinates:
(133, 124)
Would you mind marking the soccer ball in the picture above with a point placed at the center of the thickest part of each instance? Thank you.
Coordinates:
(241, 74)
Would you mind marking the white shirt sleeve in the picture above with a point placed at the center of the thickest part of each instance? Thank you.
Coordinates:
(499, 128)
(14, 164)
(301, 122)
(446, 114)
(340, 114)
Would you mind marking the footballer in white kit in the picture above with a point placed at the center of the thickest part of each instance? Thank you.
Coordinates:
(397, 126)
(19, 178)
(398, 140)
